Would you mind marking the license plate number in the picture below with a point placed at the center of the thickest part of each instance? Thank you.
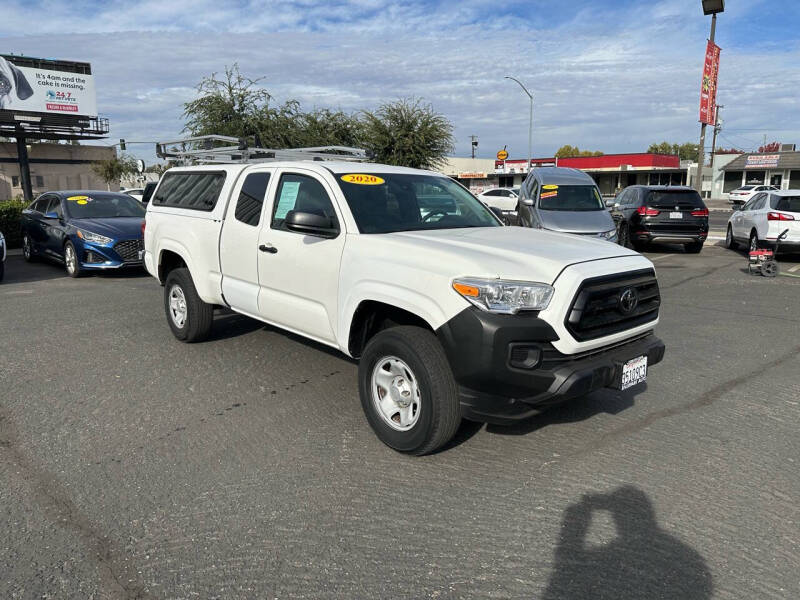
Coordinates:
(634, 371)
(676, 215)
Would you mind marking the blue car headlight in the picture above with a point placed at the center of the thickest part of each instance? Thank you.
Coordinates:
(94, 238)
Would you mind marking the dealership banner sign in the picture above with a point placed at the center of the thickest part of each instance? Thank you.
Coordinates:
(708, 87)
(25, 89)
(762, 161)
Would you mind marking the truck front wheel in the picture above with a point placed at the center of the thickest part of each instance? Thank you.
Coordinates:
(408, 391)
(188, 316)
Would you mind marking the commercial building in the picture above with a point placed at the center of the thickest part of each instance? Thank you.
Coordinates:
(781, 169)
(612, 172)
(53, 167)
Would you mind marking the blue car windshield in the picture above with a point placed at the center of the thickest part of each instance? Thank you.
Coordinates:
(103, 206)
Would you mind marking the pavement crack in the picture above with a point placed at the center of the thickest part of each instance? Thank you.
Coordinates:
(62, 511)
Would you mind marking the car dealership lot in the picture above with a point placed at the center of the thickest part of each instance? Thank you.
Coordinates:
(132, 465)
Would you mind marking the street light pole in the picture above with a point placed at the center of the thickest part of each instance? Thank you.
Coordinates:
(530, 121)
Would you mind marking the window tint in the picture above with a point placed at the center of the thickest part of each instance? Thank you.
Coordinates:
(303, 194)
(492, 193)
(41, 204)
(570, 197)
(787, 203)
(759, 204)
(55, 206)
(196, 190)
(251, 198)
(149, 188)
(681, 198)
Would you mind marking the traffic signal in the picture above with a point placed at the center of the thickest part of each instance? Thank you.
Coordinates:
(122, 144)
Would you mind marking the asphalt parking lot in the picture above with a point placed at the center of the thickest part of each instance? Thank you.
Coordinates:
(134, 466)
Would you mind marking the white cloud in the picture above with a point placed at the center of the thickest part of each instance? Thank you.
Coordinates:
(609, 80)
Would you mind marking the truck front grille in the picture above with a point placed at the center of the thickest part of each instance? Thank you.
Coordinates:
(129, 249)
(613, 303)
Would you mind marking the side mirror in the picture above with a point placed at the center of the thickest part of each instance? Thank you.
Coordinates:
(527, 201)
(497, 212)
(51, 215)
(311, 224)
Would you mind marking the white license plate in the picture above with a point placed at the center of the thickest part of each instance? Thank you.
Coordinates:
(676, 215)
(634, 371)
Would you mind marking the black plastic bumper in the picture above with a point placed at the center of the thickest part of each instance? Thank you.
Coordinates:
(479, 344)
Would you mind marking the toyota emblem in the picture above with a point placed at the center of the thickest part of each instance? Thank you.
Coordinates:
(628, 301)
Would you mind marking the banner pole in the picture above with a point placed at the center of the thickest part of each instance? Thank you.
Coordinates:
(701, 152)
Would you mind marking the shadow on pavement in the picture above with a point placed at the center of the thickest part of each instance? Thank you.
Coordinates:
(19, 271)
(604, 401)
(642, 561)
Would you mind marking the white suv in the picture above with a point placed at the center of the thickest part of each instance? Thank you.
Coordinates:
(450, 313)
(768, 214)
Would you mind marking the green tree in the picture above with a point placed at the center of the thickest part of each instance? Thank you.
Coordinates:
(408, 133)
(114, 169)
(685, 151)
(567, 151)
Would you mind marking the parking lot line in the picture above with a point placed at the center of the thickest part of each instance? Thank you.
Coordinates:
(655, 258)
(794, 268)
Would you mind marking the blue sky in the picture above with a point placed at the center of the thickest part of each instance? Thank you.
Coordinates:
(606, 75)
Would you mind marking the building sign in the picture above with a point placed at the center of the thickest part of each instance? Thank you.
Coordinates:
(502, 154)
(708, 87)
(26, 89)
(762, 161)
(471, 175)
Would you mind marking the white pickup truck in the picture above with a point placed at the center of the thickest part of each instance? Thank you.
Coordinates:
(450, 313)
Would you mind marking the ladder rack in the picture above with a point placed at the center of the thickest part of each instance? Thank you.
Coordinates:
(223, 149)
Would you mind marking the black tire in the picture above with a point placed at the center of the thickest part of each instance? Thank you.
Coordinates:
(694, 247)
(72, 265)
(198, 317)
(730, 241)
(439, 409)
(755, 243)
(27, 248)
(624, 235)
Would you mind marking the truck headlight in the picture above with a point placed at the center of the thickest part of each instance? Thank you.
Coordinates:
(94, 238)
(503, 296)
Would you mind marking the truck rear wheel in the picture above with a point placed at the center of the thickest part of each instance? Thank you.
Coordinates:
(188, 316)
(408, 391)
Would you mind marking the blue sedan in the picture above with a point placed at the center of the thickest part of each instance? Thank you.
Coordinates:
(84, 230)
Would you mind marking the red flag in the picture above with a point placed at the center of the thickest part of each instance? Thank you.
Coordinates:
(708, 87)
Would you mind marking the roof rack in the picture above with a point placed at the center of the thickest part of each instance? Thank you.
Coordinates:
(223, 149)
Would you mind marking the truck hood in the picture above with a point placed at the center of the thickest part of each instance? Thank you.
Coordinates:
(506, 252)
(588, 221)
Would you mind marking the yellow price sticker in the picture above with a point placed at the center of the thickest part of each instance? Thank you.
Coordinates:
(78, 199)
(362, 179)
(549, 187)
(83, 202)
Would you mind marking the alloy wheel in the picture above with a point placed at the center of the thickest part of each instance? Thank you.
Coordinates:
(26, 247)
(396, 394)
(70, 259)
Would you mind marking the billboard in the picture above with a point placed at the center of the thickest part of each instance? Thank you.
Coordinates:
(24, 88)
(708, 87)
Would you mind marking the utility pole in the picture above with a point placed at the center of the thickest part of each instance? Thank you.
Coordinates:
(474, 139)
(717, 128)
(711, 7)
(24, 167)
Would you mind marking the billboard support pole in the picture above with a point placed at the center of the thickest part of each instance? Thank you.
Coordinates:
(701, 153)
(24, 166)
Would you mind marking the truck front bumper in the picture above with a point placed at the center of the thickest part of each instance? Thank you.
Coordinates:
(507, 370)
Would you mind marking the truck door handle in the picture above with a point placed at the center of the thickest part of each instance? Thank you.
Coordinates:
(268, 248)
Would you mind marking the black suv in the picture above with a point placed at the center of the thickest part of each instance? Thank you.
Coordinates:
(659, 213)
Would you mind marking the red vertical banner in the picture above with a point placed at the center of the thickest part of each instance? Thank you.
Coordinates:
(708, 87)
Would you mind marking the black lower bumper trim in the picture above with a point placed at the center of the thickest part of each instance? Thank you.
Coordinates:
(569, 379)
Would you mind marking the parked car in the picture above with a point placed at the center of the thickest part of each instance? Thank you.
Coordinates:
(451, 314)
(768, 214)
(84, 230)
(740, 196)
(503, 198)
(2, 256)
(564, 200)
(136, 193)
(663, 214)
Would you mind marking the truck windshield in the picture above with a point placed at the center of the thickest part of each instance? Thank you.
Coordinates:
(103, 206)
(390, 202)
(570, 197)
